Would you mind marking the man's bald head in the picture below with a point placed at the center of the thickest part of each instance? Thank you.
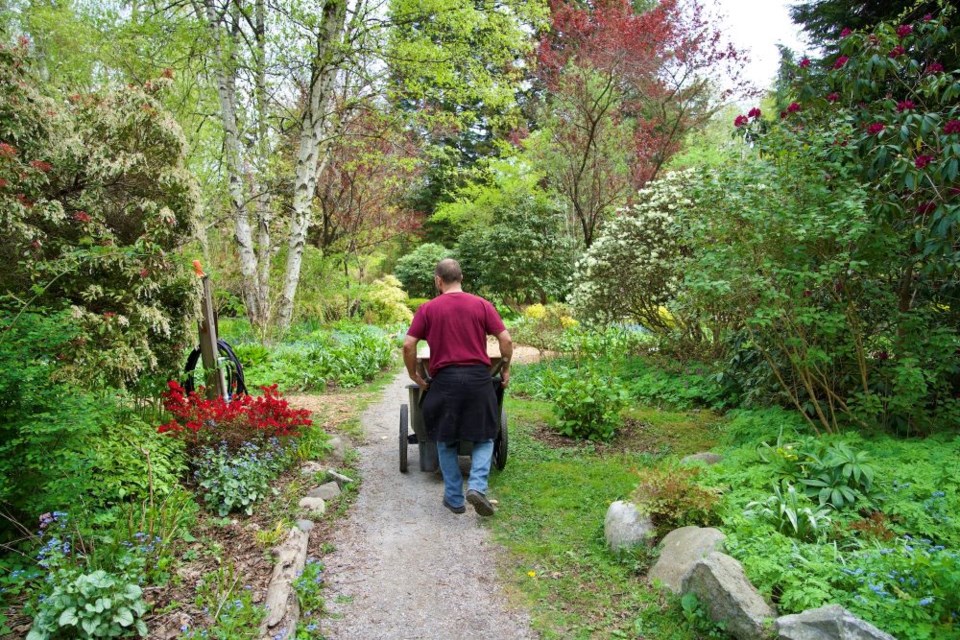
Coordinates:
(449, 271)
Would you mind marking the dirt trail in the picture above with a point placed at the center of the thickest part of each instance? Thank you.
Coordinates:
(404, 566)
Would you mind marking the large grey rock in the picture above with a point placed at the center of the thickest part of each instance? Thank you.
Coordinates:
(704, 457)
(327, 491)
(682, 548)
(315, 506)
(727, 596)
(832, 622)
(625, 527)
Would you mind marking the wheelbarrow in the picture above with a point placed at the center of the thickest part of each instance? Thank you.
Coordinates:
(411, 416)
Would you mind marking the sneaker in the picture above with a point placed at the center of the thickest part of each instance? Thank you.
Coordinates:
(457, 510)
(480, 503)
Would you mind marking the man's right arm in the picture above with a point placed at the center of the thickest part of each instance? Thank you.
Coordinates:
(410, 361)
(506, 354)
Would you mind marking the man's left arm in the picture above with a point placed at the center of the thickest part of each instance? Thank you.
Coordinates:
(506, 354)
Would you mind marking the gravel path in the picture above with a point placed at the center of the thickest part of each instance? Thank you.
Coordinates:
(404, 567)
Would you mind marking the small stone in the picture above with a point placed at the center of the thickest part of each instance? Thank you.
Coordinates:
(327, 491)
(316, 506)
(310, 468)
(339, 477)
(304, 524)
(705, 457)
(625, 527)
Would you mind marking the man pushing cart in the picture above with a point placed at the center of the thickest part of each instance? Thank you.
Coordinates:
(458, 396)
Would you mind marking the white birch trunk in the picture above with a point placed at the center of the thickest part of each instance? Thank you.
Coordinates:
(226, 92)
(313, 126)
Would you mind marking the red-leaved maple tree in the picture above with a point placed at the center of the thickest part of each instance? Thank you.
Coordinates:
(624, 88)
(360, 188)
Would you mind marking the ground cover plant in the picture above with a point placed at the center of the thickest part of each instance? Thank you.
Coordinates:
(861, 521)
(347, 355)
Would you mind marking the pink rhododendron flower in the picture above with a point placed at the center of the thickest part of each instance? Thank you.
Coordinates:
(805, 63)
(40, 165)
(833, 97)
(952, 126)
(897, 51)
(926, 207)
(7, 151)
(905, 105)
(793, 107)
(842, 60)
(754, 113)
(845, 32)
(934, 67)
(875, 128)
(740, 121)
(921, 161)
(904, 30)
(928, 17)
(82, 216)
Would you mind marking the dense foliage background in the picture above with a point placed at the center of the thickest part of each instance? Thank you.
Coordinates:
(663, 234)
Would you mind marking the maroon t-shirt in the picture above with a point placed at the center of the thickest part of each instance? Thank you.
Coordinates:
(455, 326)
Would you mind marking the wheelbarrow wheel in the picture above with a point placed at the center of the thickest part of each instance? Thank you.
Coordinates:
(404, 424)
(500, 444)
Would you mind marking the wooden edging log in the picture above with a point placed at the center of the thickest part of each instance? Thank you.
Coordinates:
(281, 601)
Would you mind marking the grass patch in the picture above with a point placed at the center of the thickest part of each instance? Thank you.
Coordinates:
(671, 432)
(553, 499)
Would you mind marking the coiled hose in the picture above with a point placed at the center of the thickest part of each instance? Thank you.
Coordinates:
(234, 373)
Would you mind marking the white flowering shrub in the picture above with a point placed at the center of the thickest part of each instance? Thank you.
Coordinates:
(632, 270)
(96, 202)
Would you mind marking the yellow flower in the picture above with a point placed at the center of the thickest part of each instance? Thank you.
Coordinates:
(532, 574)
(535, 311)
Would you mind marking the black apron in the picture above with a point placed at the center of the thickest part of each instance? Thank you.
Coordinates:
(461, 404)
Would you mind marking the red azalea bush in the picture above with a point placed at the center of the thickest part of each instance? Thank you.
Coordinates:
(244, 418)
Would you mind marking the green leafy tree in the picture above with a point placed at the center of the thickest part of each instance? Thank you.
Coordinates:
(456, 68)
(415, 270)
(825, 20)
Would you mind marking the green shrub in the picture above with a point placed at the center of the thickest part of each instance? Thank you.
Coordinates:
(64, 446)
(97, 204)
(235, 481)
(587, 402)
(90, 605)
(672, 498)
(543, 326)
(832, 473)
(670, 384)
(415, 303)
(384, 302)
(415, 270)
(347, 355)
